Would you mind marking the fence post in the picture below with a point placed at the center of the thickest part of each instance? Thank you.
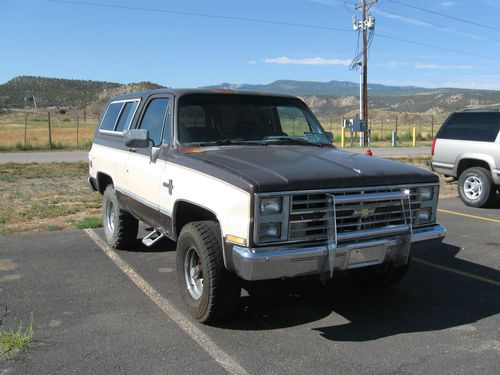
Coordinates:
(414, 136)
(432, 126)
(382, 129)
(77, 129)
(342, 133)
(396, 125)
(409, 125)
(393, 139)
(25, 127)
(50, 132)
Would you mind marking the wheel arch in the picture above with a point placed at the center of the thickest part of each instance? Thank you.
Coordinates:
(186, 211)
(103, 180)
(469, 161)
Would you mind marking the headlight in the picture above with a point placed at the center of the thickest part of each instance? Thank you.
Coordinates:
(424, 215)
(427, 193)
(270, 205)
(270, 231)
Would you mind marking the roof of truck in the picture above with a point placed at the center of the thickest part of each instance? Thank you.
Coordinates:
(182, 92)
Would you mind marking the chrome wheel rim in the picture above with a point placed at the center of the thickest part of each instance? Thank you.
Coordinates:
(473, 187)
(110, 217)
(193, 273)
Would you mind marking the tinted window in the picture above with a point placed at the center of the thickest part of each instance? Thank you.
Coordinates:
(126, 116)
(211, 118)
(472, 126)
(154, 118)
(109, 120)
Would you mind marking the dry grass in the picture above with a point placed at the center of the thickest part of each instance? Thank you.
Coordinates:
(38, 197)
(13, 127)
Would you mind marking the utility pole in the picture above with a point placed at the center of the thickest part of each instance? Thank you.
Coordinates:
(366, 23)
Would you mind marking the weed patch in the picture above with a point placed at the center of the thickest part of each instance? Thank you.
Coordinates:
(89, 222)
(14, 341)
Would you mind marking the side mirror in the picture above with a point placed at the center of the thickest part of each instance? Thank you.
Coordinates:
(137, 138)
(329, 136)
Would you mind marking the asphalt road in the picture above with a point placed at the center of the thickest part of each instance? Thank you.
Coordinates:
(91, 316)
(74, 156)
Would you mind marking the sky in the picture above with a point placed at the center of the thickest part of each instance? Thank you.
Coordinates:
(193, 43)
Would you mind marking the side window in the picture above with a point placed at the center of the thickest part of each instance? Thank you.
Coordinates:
(472, 127)
(126, 116)
(109, 120)
(154, 118)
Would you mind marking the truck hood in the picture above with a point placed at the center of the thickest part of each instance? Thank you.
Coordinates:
(282, 168)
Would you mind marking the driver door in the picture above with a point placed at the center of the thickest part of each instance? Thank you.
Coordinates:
(144, 174)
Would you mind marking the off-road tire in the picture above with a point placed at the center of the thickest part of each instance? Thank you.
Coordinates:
(220, 296)
(381, 275)
(121, 232)
(488, 189)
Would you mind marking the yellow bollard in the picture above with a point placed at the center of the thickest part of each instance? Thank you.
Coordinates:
(342, 138)
(415, 137)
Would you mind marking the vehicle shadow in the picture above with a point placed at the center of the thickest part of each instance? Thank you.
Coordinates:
(427, 299)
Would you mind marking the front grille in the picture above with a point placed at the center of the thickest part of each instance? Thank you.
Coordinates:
(355, 210)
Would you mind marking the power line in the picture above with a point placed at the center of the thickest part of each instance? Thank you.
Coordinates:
(436, 47)
(206, 15)
(426, 23)
(256, 20)
(402, 3)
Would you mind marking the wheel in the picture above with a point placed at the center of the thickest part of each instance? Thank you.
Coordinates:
(209, 291)
(475, 187)
(380, 275)
(120, 228)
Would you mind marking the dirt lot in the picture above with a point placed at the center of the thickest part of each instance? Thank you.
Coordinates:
(41, 197)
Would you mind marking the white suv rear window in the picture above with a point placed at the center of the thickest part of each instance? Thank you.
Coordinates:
(118, 116)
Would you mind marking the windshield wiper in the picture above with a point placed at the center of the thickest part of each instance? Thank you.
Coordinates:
(290, 140)
(228, 142)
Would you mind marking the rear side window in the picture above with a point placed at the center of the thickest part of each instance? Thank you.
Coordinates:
(126, 116)
(109, 120)
(119, 115)
(471, 126)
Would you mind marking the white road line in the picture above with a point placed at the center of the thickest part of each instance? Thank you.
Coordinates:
(219, 355)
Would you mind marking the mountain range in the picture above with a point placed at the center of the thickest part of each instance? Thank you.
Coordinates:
(325, 98)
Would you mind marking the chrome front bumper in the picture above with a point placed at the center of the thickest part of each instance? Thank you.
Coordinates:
(294, 260)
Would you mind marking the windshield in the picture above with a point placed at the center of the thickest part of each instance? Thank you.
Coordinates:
(246, 119)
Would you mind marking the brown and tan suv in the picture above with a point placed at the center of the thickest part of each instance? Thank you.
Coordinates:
(467, 147)
(250, 188)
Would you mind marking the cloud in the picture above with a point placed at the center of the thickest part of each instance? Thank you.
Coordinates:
(394, 64)
(305, 61)
(403, 19)
(420, 65)
(252, 62)
(412, 21)
(326, 2)
(448, 4)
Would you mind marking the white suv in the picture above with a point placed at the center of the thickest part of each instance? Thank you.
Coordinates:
(467, 147)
